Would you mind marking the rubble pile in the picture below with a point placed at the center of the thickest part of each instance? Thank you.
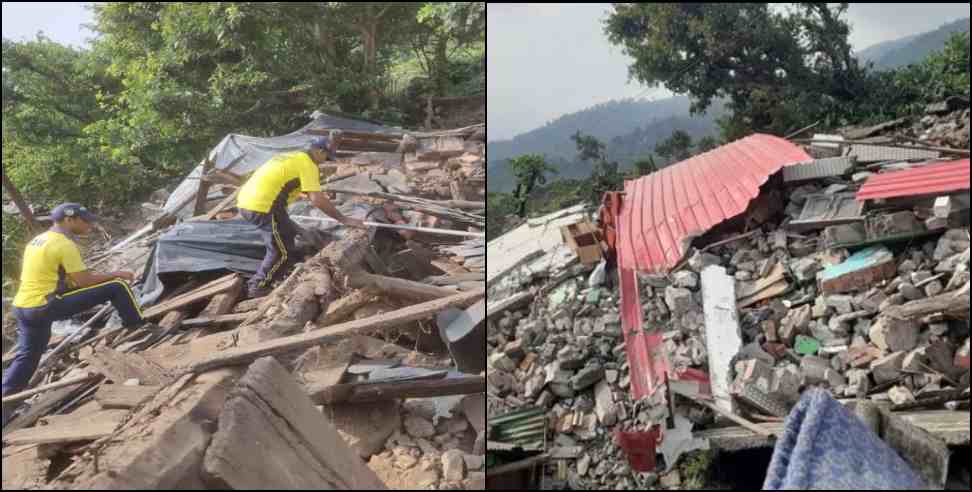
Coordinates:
(867, 299)
(356, 373)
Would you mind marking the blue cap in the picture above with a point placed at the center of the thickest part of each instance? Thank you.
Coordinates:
(321, 143)
(68, 210)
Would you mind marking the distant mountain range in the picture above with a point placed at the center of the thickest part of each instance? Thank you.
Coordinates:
(629, 128)
(911, 49)
(632, 128)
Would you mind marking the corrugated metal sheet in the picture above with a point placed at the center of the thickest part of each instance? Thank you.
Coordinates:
(525, 428)
(661, 210)
(820, 168)
(932, 179)
(877, 153)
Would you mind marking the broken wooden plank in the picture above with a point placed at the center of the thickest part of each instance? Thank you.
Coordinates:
(50, 387)
(400, 287)
(299, 448)
(394, 319)
(120, 367)
(226, 319)
(161, 445)
(89, 428)
(952, 303)
(44, 405)
(205, 292)
(172, 321)
(202, 195)
(120, 397)
(218, 209)
(224, 303)
(400, 390)
(508, 304)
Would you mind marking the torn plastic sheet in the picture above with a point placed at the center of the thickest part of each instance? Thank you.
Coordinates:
(235, 246)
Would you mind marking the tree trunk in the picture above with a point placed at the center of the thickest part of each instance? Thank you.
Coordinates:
(441, 66)
(32, 226)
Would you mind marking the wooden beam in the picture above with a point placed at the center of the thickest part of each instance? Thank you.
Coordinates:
(223, 205)
(951, 303)
(89, 428)
(508, 303)
(400, 287)
(119, 397)
(344, 307)
(203, 194)
(50, 387)
(226, 319)
(205, 292)
(373, 392)
(120, 367)
(224, 303)
(386, 321)
(306, 451)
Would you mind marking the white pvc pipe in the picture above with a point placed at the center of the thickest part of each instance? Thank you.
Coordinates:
(442, 232)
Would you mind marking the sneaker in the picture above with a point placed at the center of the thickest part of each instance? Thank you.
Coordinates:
(257, 292)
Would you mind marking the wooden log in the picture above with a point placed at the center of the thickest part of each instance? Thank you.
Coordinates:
(400, 287)
(89, 428)
(50, 387)
(344, 307)
(119, 397)
(120, 367)
(373, 392)
(172, 321)
(205, 292)
(951, 303)
(299, 448)
(394, 319)
(45, 404)
(203, 194)
(509, 303)
(224, 303)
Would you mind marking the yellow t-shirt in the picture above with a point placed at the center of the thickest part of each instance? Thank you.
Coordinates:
(293, 173)
(43, 260)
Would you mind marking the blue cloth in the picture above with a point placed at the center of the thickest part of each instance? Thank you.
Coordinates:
(825, 447)
(279, 234)
(34, 325)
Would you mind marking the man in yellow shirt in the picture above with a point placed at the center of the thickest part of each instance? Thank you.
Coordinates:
(56, 285)
(264, 199)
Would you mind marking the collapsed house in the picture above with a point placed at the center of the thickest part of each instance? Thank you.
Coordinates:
(364, 369)
(733, 283)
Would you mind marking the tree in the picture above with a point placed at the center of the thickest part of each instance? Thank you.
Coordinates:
(605, 175)
(706, 144)
(529, 171)
(646, 166)
(677, 148)
(448, 27)
(773, 66)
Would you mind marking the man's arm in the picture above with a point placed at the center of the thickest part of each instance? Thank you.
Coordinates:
(322, 202)
(88, 278)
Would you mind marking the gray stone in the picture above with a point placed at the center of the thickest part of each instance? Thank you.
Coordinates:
(685, 279)
(888, 368)
(805, 270)
(571, 358)
(890, 334)
(679, 301)
(609, 324)
(699, 261)
(655, 280)
(587, 377)
(611, 376)
(418, 427)
(604, 404)
(934, 288)
(842, 304)
(583, 465)
(907, 267)
(453, 465)
(797, 322)
(910, 292)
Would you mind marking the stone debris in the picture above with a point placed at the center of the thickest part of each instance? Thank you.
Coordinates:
(808, 315)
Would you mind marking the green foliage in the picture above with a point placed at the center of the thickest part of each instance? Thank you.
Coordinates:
(754, 56)
(499, 208)
(646, 166)
(605, 175)
(676, 148)
(706, 144)
(530, 171)
(14, 237)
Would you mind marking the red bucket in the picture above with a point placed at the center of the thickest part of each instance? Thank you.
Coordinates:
(640, 447)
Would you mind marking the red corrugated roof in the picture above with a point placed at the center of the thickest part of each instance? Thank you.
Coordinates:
(932, 179)
(661, 210)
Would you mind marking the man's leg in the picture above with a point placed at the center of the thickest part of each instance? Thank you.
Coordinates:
(117, 292)
(34, 334)
(275, 257)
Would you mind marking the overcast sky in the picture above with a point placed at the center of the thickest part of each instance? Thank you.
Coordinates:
(59, 21)
(547, 60)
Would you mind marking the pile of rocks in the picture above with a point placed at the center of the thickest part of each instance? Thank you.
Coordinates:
(425, 454)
